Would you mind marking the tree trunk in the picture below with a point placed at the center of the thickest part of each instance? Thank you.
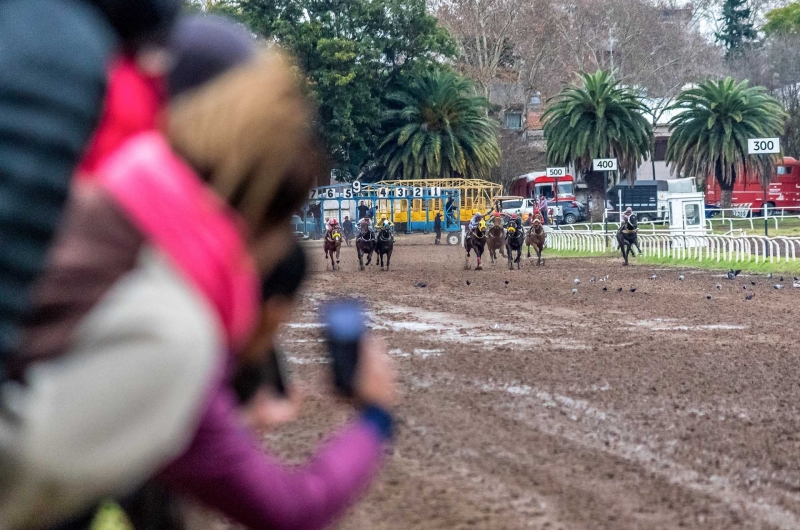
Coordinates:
(726, 196)
(726, 188)
(596, 183)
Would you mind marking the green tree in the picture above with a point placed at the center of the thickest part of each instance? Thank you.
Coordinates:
(737, 30)
(783, 21)
(597, 118)
(711, 129)
(438, 128)
(353, 52)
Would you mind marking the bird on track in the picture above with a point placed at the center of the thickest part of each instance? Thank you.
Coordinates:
(654, 277)
(619, 290)
(576, 281)
(733, 274)
(574, 291)
(708, 297)
(593, 279)
(719, 287)
(750, 296)
(605, 289)
(769, 275)
(680, 278)
(633, 289)
(777, 287)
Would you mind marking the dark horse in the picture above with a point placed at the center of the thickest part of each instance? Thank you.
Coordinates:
(514, 240)
(628, 237)
(385, 245)
(475, 240)
(333, 245)
(536, 238)
(365, 245)
(496, 240)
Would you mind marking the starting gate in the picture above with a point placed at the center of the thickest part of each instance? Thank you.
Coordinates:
(410, 205)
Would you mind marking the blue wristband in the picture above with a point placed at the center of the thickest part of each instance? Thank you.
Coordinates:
(380, 419)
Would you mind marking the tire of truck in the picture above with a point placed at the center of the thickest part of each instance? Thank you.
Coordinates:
(570, 218)
(645, 218)
(770, 209)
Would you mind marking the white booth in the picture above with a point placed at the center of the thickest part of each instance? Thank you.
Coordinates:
(687, 217)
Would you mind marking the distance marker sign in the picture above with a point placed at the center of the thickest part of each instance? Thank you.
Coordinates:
(556, 171)
(763, 146)
(604, 164)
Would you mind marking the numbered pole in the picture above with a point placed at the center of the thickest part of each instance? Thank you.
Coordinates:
(761, 147)
(605, 165)
(556, 172)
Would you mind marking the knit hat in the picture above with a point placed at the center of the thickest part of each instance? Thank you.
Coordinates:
(203, 47)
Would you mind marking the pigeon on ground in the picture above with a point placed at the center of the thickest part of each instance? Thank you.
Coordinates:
(507, 282)
(780, 279)
(769, 275)
(744, 287)
(593, 279)
(605, 289)
(796, 284)
(708, 297)
(680, 278)
(796, 279)
(750, 296)
(633, 289)
(469, 282)
(619, 290)
(574, 291)
(420, 284)
(576, 281)
(733, 274)
(719, 287)
(777, 287)
(752, 283)
(654, 277)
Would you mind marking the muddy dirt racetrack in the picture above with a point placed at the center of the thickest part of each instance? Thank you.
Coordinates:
(525, 406)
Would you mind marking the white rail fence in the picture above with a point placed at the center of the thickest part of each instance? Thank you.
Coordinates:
(756, 249)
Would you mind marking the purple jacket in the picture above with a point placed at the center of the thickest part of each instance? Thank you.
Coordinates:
(225, 469)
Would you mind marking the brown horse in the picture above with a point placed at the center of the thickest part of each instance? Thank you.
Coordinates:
(536, 238)
(496, 239)
(475, 240)
(333, 244)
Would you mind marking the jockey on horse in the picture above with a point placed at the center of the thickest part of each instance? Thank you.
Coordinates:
(628, 234)
(384, 223)
(365, 229)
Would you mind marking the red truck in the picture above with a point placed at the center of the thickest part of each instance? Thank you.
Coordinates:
(534, 184)
(783, 192)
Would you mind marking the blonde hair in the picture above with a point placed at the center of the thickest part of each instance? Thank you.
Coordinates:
(250, 135)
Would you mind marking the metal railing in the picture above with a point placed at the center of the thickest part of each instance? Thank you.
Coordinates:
(711, 247)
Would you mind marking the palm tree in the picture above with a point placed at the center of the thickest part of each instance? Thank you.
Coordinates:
(597, 119)
(710, 133)
(438, 128)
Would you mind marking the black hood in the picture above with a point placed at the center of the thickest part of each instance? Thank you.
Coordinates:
(138, 21)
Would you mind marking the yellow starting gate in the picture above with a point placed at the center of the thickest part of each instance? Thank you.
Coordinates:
(475, 196)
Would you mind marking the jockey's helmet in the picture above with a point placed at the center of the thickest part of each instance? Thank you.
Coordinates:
(497, 214)
(513, 216)
(334, 222)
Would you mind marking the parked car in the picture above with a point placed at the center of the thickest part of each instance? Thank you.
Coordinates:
(712, 210)
(572, 211)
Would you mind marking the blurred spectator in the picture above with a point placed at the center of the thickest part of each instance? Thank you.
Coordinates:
(54, 55)
(362, 210)
(437, 227)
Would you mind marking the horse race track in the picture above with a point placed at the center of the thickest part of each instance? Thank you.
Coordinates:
(525, 406)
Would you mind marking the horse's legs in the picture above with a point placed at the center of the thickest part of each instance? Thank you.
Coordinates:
(519, 256)
(338, 252)
(509, 252)
(529, 251)
(478, 256)
(388, 258)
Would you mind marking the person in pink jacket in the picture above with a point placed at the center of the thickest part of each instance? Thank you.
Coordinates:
(157, 267)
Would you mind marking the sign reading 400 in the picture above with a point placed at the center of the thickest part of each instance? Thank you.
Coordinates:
(604, 164)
